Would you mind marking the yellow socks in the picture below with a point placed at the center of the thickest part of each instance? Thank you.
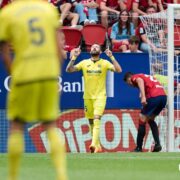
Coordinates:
(91, 126)
(58, 153)
(96, 132)
(15, 150)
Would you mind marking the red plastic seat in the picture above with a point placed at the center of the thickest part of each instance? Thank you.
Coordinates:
(177, 35)
(94, 34)
(73, 37)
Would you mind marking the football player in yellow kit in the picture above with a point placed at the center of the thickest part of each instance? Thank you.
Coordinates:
(31, 28)
(94, 71)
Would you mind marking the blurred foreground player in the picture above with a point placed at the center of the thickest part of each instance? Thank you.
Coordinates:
(153, 99)
(94, 72)
(31, 28)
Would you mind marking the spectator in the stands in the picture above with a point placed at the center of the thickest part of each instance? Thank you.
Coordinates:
(160, 5)
(133, 45)
(128, 4)
(121, 31)
(64, 7)
(140, 6)
(110, 11)
(87, 10)
(157, 35)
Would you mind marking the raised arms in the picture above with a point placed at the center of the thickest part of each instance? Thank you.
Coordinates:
(73, 56)
(117, 66)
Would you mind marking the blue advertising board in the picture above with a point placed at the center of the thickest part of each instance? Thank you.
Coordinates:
(120, 96)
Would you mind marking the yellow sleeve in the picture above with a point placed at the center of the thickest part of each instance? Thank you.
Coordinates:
(4, 26)
(110, 66)
(79, 66)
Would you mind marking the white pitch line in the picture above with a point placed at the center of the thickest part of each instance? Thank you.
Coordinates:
(129, 157)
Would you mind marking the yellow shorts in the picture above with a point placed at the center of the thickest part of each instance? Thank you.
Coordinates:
(94, 107)
(34, 102)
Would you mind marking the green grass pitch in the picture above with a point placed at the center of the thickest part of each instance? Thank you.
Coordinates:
(103, 166)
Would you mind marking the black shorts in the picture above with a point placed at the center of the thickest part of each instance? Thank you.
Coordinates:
(154, 105)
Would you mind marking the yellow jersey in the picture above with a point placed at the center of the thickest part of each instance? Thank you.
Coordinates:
(30, 26)
(94, 77)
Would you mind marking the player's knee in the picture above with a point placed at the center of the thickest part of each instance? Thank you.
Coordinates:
(15, 145)
(97, 117)
(142, 120)
(151, 118)
(96, 123)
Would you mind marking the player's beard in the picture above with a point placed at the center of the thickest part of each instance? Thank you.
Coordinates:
(95, 53)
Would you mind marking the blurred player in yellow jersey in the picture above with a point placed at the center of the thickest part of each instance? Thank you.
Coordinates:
(30, 26)
(94, 71)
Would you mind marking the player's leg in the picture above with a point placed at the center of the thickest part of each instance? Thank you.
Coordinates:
(16, 105)
(141, 133)
(98, 106)
(15, 148)
(91, 126)
(146, 112)
(48, 113)
(155, 133)
(88, 111)
(95, 134)
(58, 152)
(158, 104)
(89, 114)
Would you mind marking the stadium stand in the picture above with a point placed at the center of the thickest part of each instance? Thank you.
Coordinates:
(177, 35)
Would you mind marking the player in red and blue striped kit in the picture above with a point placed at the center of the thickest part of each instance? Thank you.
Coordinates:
(153, 99)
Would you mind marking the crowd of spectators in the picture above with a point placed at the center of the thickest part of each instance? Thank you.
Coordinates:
(119, 17)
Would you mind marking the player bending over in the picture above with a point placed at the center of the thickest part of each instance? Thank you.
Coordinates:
(153, 98)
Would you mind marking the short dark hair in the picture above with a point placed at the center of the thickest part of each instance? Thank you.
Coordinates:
(134, 39)
(127, 75)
